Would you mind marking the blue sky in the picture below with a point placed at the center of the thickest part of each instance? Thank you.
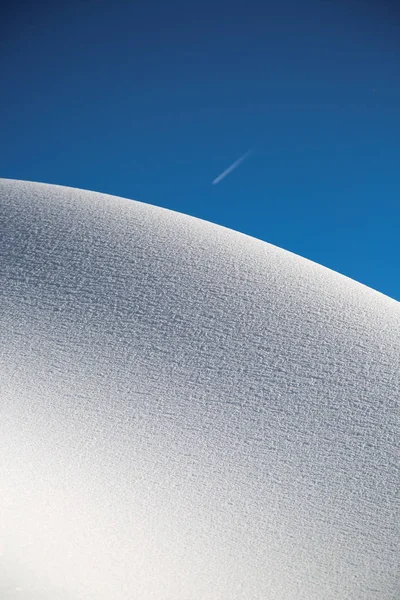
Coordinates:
(152, 101)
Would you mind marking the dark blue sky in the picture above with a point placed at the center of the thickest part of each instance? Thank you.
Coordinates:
(152, 101)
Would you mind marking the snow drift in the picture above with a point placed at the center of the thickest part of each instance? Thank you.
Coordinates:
(187, 412)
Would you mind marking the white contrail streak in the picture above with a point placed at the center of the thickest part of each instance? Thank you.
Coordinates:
(231, 168)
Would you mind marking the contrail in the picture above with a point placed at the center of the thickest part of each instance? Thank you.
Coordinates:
(231, 168)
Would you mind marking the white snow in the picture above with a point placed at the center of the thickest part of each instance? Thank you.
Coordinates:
(188, 413)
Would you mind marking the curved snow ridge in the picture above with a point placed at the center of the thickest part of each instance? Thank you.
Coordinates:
(188, 412)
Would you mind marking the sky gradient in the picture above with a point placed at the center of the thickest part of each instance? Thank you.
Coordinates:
(154, 102)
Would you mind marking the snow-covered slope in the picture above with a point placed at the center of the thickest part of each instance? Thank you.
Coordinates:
(187, 412)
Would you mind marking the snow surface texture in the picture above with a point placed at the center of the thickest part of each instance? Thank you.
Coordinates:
(188, 413)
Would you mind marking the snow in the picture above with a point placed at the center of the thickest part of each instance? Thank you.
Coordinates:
(187, 412)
